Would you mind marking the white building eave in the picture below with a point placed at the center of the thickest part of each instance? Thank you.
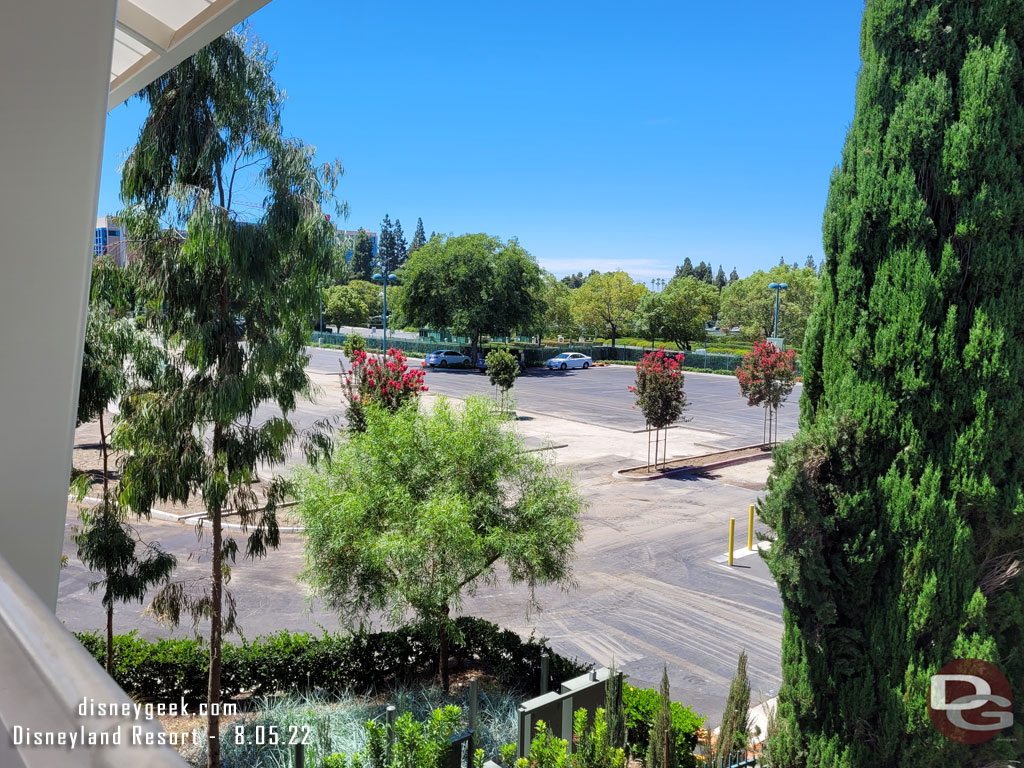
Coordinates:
(152, 36)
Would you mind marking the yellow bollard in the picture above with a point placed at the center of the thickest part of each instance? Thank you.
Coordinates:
(732, 536)
(750, 530)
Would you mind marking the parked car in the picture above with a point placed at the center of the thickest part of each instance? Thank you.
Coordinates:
(443, 358)
(569, 360)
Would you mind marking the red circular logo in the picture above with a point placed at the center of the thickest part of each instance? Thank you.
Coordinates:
(970, 701)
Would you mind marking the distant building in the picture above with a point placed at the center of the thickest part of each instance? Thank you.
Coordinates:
(110, 240)
(350, 235)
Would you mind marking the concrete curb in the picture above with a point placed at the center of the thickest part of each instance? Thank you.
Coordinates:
(199, 518)
(619, 473)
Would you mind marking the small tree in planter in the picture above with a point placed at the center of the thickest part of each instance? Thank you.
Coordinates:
(420, 508)
(767, 375)
(502, 369)
(384, 379)
(659, 395)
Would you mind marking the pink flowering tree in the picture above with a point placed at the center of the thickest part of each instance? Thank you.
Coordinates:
(767, 375)
(384, 379)
(659, 395)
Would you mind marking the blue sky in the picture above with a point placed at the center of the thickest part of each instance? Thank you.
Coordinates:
(602, 135)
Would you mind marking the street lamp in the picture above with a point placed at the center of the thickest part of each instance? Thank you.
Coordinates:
(777, 287)
(385, 278)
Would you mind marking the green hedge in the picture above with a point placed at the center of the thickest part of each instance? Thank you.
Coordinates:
(641, 705)
(170, 669)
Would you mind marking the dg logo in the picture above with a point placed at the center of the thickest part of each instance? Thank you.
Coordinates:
(970, 701)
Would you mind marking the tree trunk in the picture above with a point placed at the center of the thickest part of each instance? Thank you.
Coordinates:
(443, 643)
(106, 511)
(213, 688)
(110, 639)
(613, 334)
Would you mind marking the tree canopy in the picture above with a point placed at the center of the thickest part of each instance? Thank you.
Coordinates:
(473, 285)
(750, 303)
(607, 302)
(421, 507)
(679, 313)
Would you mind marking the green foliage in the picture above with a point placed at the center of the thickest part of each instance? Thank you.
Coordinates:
(750, 304)
(660, 752)
(353, 343)
(680, 312)
(370, 294)
(213, 121)
(502, 369)
(607, 301)
(641, 706)
(614, 713)
(734, 735)
(659, 388)
(685, 269)
(384, 381)
(898, 506)
(594, 746)
(720, 280)
(472, 285)
(345, 305)
(422, 506)
(419, 238)
(557, 312)
(170, 669)
(362, 256)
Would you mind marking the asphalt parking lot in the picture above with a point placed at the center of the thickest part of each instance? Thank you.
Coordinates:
(648, 592)
(601, 396)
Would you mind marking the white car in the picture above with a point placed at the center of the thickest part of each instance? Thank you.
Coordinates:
(569, 360)
(443, 358)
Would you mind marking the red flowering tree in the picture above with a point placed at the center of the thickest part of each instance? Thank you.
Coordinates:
(384, 379)
(767, 375)
(659, 395)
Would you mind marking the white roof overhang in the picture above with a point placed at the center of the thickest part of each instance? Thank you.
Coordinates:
(152, 36)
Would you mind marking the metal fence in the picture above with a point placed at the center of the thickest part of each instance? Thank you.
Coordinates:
(538, 354)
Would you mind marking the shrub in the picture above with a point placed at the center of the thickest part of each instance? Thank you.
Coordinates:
(170, 669)
(384, 379)
(641, 708)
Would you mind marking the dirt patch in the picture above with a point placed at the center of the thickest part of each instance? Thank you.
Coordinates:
(696, 462)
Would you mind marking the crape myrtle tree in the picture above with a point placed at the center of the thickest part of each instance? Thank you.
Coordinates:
(107, 543)
(659, 395)
(899, 506)
(472, 284)
(420, 508)
(192, 433)
(766, 376)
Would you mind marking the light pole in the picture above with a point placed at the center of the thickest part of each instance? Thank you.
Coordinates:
(385, 278)
(778, 288)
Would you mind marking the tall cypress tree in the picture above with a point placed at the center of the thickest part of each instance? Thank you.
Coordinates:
(386, 246)
(362, 256)
(720, 280)
(899, 506)
(419, 238)
(401, 251)
(685, 269)
(733, 276)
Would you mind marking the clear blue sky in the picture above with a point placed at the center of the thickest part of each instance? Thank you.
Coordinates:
(602, 135)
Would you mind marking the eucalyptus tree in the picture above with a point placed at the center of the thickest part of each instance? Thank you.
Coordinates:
(106, 541)
(216, 273)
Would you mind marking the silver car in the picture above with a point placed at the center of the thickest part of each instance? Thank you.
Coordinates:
(569, 360)
(443, 358)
